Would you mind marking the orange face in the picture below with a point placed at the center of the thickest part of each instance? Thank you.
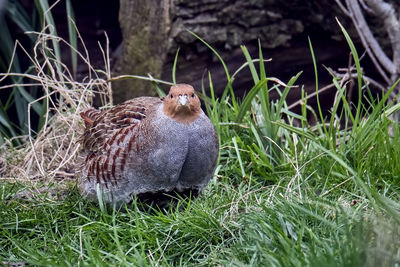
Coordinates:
(182, 103)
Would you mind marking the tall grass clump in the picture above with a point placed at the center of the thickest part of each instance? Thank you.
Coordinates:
(49, 153)
(284, 193)
(13, 59)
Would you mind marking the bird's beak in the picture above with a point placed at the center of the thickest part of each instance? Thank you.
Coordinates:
(183, 100)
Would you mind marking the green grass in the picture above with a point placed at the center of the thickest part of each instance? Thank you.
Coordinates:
(282, 195)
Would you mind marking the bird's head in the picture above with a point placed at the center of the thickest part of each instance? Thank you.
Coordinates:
(182, 104)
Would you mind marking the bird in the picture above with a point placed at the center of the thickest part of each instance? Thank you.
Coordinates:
(148, 147)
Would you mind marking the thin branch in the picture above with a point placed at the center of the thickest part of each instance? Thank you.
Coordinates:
(344, 10)
(385, 11)
(365, 7)
(311, 95)
(368, 39)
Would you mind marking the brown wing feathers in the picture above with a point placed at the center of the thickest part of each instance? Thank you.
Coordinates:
(109, 135)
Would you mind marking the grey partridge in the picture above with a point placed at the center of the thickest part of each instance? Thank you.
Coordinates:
(146, 146)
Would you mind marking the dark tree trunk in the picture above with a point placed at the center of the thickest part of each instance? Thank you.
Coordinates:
(145, 27)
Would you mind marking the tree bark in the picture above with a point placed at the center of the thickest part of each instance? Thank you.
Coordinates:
(145, 26)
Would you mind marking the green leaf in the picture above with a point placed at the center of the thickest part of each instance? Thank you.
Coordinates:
(253, 70)
(18, 15)
(245, 106)
(159, 91)
(72, 36)
(229, 85)
(282, 99)
(174, 67)
(299, 131)
(358, 68)
(44, 7)
(321, 116)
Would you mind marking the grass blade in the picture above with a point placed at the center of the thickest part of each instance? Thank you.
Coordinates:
(253, 70)
(229, 85)
(72, 36)
(245, 106)
(43, 5)
(174, 67)
(321, 116)
(358, 68)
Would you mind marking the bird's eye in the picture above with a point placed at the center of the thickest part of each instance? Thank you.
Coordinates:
(192, 95)
(171, 96)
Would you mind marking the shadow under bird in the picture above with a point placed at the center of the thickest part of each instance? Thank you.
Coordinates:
(148, 146)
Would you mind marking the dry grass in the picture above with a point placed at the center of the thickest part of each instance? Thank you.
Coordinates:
(51, 154)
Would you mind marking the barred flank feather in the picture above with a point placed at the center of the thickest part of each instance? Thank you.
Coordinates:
(109, 128)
